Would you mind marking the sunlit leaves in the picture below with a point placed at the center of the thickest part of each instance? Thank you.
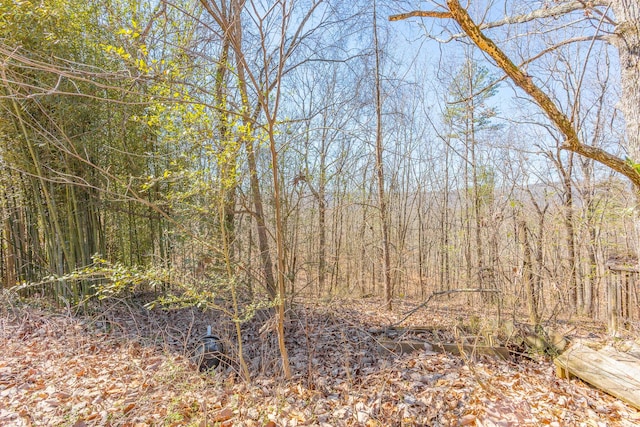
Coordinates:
(118, 51)
(635, 165)
(54, 21)
(110, 279)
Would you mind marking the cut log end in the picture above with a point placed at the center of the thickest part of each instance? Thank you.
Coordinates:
(611, 371)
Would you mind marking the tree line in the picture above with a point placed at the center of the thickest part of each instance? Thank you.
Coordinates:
(260, 151)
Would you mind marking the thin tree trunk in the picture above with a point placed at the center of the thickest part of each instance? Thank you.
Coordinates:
(9, 255)
(254, 183)
(228, 167)
(420, 225)
(382, 204)
(470, 137)
(445, 277)
(263, 242)
(322, 241)
(363, 251)
(578, 290)
(319, 195)
(527, 274)
(538, 278)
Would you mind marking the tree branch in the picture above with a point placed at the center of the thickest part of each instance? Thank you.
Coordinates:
(440, 293)
(546, 12)
(521, 79)
(561, 121)
(421, 13)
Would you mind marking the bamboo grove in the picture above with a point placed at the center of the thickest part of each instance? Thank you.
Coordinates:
(227, 150)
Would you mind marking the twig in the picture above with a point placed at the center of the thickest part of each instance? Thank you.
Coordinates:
(439, 293)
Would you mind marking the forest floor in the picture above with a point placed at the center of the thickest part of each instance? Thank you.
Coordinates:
(129, 366)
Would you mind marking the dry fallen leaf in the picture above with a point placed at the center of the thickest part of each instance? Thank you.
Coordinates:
(222, 415)
(467, 420)
(339, 378)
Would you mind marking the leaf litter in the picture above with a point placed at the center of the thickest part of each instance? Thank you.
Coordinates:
(129, 366)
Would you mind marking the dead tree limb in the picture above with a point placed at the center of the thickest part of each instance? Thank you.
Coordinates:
(440, 293)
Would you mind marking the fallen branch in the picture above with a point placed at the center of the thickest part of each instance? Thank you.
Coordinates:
(437, 294)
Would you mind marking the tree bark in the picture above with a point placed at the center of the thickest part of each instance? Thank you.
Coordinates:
(627, 41)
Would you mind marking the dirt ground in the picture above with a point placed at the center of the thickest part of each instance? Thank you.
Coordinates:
(129, 366)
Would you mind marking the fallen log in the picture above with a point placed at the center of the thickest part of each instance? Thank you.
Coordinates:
(610, 370)
(471, 350)
(387, 346)
(399, 330)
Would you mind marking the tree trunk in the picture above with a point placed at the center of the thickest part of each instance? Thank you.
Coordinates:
(527, 275)
(322, 250)
(8, 256)
(380, 172)
(445, 226)
(470, 140)
(627, 41)
(228, 167)
(263, 242)
(576, 291)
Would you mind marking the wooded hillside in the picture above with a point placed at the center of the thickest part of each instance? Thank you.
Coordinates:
(246, 156)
